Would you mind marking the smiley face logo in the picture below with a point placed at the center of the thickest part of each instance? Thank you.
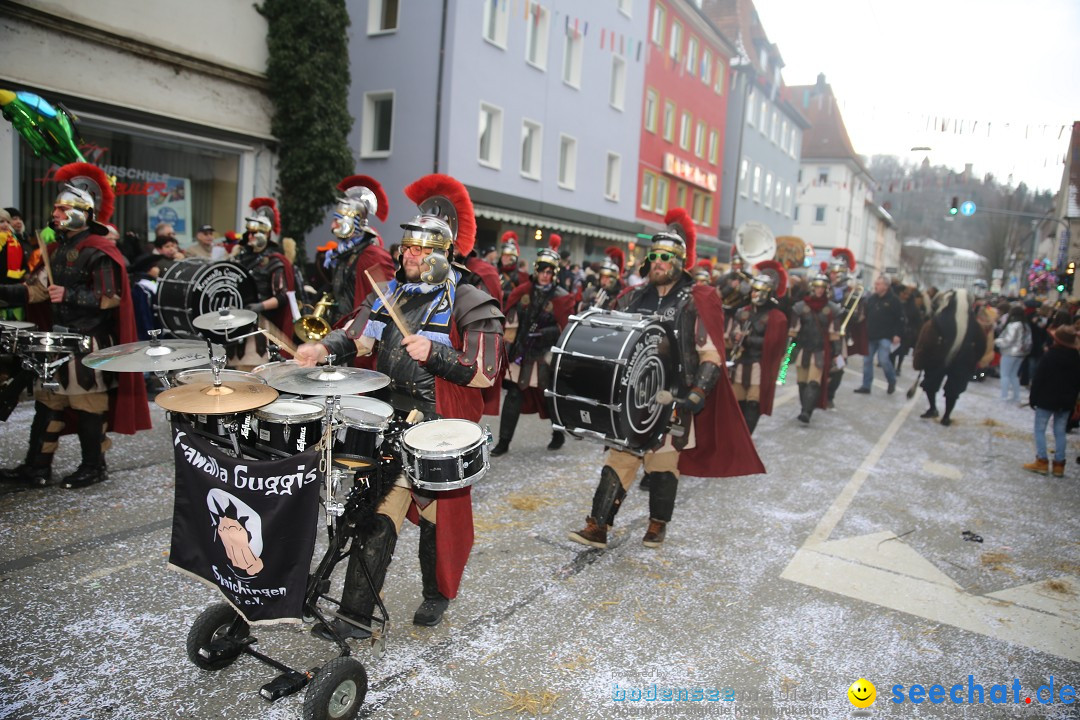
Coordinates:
(862, 693)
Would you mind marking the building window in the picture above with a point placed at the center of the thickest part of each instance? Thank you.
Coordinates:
(651, 101)
(778, 197)
(669, 121)
(572, 53)
(823, 176)
(819, 213)
(763, 117)
(611, 181)
(648, 189)
(757, 183)
(721, 69)
(659, 16)
(799, 178)
(618, 82)
(706, 67)
(382, 16)
(496, 22)
(787, 200)
(680, 195)
(691, 56)
(567, 161)
(532, 138)
(699, 140)
(774, 128)
(784, 136)
(378, 123)
(744, 177)
(794, 143)
(625, 6)
(714, 146)
(490, 145)
(536, 35)
(684, 131)
(675, 48)
(751, 106)
(661, 195)
(796, 218)
(768, 189)
(701, 208)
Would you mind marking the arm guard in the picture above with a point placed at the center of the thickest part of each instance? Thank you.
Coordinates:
(82, 297)
(477, 365)
(704, 381)
(14, 295)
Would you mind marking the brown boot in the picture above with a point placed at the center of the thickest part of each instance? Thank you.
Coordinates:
(593, 535)
(1059, 468)
(654, 536)
(1041, 465)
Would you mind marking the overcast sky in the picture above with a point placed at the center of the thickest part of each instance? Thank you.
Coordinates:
(1004, 68)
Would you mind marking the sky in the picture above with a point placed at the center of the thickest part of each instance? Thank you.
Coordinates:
(1003, 72)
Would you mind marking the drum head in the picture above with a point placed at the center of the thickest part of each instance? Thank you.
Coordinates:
(290, 411)
(366, 412)
(442, 437)
(192, 287)
(202, 375)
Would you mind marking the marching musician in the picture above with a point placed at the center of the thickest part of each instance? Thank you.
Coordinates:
(815, 328)
(273, 275)
(89, 295)
(536, 313)
(734, 285)
(712, 439)
(758, 333)
(509, 274)
(848, 295)
(608, 286)
(703, 272)
(359, 249)
(451, 352)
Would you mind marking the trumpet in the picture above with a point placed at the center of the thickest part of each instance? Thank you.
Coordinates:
(314, 327)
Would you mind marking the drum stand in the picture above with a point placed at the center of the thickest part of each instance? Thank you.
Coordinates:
(44, 367)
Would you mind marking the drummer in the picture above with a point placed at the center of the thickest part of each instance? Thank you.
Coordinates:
(449, 351)
(89, 295)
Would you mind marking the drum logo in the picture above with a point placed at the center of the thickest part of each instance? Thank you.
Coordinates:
(647, 377)
(301, 439)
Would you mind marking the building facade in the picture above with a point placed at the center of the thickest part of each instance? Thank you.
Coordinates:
(182, 119)
(534, 106)
(929, 263)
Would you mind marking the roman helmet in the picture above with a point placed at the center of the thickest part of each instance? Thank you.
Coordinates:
(548, 256)
(703, 272)
(771, 280)
(362, 197)
(678, 239)
(509, 249)
(821, 278)
(88, 194)
(262, 224)
(445, 223)
(843, 262)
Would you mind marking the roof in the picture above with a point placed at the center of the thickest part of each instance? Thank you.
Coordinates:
(934, 246)
(739, 21)
(827, 137)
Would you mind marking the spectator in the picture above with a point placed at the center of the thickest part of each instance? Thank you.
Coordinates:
(1014, 344)
(206, 245)
(19, 228)
(884, 324)
(1054, 390)
(490, 255)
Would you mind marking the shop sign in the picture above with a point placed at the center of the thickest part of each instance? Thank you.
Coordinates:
(689, 172)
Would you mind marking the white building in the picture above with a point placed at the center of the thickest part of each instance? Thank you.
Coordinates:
(930, 263)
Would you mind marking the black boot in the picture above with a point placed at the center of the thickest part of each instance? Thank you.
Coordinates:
(606, 502)
(557, 440)
(752, 413)
(932, 412)
(358, 595)
(810, 400)
(665, 485)
(508, 419)
(501, 448)
(435, 603)
(91, 470)
(950, 403)
(36, 469)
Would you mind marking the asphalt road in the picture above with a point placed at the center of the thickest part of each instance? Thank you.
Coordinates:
(770, 597)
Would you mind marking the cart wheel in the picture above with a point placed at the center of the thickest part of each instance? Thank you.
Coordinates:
(337, 692)
(213, 624)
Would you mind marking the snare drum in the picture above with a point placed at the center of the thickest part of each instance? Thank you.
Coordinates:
(364, 421)
(214, 424)
(289, 426)
(9, 330)
(608, 368)
(445, 454)
(51, 343)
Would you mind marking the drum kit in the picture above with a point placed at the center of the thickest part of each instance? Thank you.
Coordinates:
(41, 352)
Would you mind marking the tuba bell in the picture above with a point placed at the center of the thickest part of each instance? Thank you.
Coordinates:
(755, 242)
(314, 327)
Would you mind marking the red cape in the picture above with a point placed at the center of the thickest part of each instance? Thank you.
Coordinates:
(491, 283)
(723, 445)
(772, 354)
(533, 400)
(128, 408)
(454, 525)
(282, 317)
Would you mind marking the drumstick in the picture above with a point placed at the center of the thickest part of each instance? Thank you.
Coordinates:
(401, 326)
(271, 331)
(44, 257)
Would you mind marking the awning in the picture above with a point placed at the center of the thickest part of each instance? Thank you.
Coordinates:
(565, 226)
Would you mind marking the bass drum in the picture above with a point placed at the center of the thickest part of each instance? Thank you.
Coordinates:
(608, 367)
(194, 287)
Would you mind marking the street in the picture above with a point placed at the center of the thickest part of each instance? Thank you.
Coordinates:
(878, 546)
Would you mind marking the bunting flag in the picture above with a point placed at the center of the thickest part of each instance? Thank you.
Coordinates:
(603, 37)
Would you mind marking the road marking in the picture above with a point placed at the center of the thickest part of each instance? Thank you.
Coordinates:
(950, 472)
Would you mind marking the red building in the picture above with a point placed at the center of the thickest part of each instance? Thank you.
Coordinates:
(683, 118)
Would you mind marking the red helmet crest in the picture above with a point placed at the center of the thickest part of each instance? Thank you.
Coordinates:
(382, 210)
(446, 198)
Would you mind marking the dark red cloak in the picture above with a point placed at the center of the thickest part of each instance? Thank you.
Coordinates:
(562, 307)
(282, 317)
(723, 447)
(772, 354)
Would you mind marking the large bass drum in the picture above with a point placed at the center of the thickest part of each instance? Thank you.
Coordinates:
(608, 367)
(194, 287)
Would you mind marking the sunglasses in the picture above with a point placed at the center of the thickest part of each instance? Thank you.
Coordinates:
(661, 256)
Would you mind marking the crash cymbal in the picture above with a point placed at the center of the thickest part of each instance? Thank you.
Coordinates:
(16, 325)
(274, 369)
(328, 381)
(224, 319)
(210, 399)
(151, 356)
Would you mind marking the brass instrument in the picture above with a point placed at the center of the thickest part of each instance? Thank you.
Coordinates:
(737, 348)
(314, 327)
(850, 306)
(754, 242)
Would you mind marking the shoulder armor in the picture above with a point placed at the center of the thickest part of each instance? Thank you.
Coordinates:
(473, 305)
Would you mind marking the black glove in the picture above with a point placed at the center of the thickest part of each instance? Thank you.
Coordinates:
(256, 307)
(695, 400)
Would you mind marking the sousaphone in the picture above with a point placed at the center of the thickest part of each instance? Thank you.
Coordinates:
(754, 242)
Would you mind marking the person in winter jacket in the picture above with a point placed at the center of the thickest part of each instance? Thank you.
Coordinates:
(1014, 344)
(1054, 390)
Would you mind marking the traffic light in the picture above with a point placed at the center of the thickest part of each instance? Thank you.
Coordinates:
(955, 207)
(1070, 275)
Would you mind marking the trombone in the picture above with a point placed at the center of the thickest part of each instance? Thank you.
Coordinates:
(851, 305)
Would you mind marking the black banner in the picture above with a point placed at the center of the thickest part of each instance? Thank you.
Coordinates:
(245, 527)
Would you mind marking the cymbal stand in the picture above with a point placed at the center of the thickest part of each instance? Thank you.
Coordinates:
(154, 350)
(332, 476)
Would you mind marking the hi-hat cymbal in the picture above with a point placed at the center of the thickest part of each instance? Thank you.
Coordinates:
(224, 319)
(210, 399)
(149, 357)
(10, 325)
(328, 381)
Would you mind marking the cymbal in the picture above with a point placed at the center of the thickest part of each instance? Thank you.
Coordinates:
(328, 380)
(16, 325)
(224, 319)
(147, 357)
(210, 399)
